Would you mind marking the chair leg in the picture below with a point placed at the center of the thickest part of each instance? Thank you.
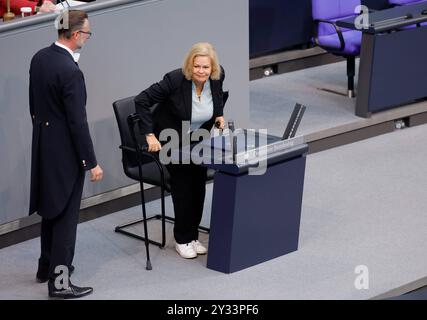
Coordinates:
(144, 216)
(162, 201)
(120, 229)
(351, 70)
(162, 216)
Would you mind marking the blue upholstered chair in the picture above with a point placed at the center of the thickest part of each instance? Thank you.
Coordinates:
(336, 40)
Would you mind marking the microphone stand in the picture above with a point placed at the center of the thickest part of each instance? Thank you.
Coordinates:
(62, 4)
(68, 4)
(7, 16)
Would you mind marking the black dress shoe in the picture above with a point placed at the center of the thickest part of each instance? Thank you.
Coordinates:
(43, 275)
(72, 292)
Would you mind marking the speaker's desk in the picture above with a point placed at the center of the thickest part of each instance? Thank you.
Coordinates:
(393, 63)
(256, 217)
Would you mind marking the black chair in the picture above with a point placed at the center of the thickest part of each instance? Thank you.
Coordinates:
(141, 166)
(144, 166)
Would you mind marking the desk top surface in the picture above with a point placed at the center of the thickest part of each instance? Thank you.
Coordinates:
(389, 19)
(268, 151)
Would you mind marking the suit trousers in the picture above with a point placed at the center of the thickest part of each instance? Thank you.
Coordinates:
(188, 189)
(58, 235)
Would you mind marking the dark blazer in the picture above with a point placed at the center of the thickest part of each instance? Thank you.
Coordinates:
(174, 97)
(62, 147)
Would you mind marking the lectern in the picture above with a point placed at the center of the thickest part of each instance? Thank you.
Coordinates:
(256, 218)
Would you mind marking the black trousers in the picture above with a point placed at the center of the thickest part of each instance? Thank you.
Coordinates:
(188, 189)
(58, 235)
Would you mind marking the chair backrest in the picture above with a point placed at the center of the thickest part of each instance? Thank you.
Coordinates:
(225, 95)
(122, 109)
(332, 10)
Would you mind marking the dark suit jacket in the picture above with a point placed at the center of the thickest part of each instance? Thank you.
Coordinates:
(174, 97)
(61, 146)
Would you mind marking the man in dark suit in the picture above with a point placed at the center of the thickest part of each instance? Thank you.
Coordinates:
(62, 151)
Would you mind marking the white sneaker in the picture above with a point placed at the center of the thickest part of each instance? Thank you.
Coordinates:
(186, 250)
(198, 247)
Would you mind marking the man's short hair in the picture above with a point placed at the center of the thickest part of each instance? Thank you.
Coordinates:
(70, 21)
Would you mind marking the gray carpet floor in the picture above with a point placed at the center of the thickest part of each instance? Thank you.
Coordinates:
(272, 99)
(364, 204)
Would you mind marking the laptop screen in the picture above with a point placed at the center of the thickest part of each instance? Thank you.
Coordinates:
(249, 139)
(294, 121)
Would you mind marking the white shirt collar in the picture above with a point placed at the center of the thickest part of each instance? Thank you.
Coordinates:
(75, 55)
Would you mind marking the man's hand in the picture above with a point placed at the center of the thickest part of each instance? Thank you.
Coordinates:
(96, 174)
(47, 7)
(153, 144)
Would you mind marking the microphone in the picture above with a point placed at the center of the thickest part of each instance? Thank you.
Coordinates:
(8, 15)
(231, 125)
(233, 139)
(57, 2)
(62, 3)
(234, 148)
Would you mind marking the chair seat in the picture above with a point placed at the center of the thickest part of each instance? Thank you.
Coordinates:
(352, 40)
(150, 173)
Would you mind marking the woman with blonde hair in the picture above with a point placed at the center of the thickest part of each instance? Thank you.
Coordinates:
(192, 93)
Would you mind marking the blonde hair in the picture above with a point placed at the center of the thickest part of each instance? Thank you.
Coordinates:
(203, 49)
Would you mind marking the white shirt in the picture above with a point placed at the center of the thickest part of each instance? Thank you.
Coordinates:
(202, 107)
(75, 55)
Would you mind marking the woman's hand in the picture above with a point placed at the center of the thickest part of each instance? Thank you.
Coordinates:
(153, 144)
(219, 122)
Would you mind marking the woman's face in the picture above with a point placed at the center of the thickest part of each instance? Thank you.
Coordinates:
(202, 69)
